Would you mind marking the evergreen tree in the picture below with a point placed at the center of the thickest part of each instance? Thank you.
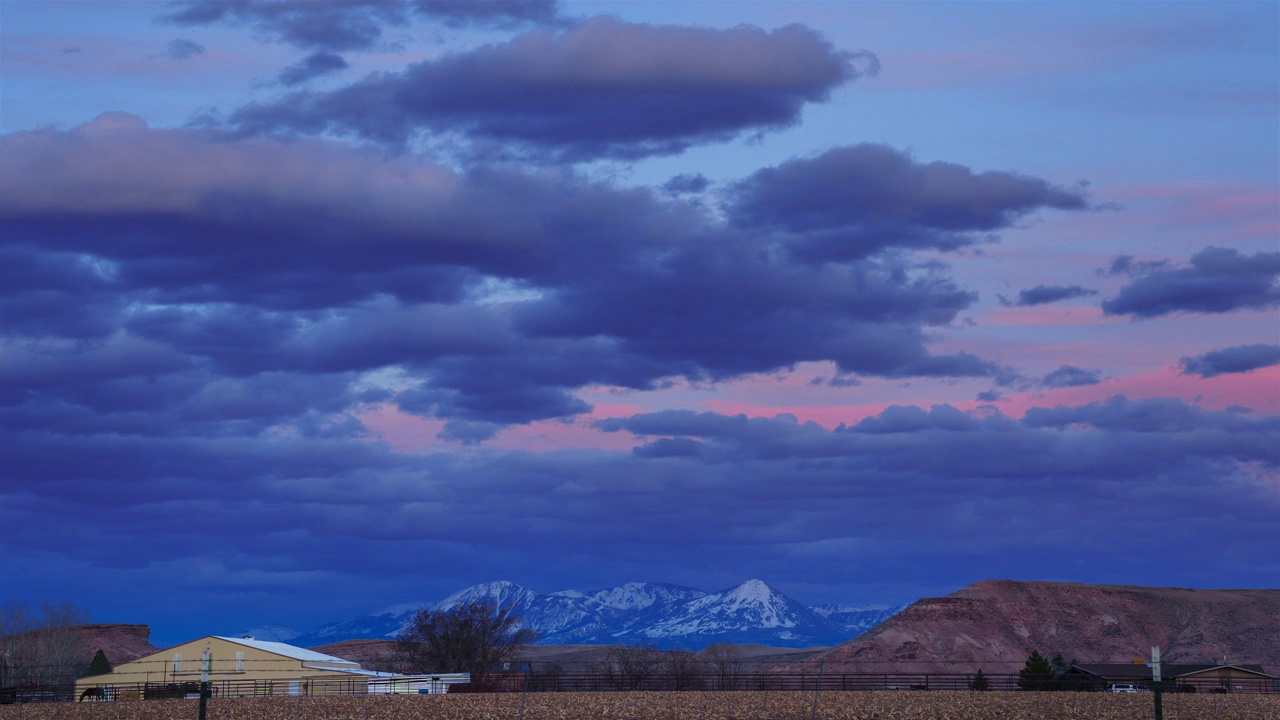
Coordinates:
(100, 664)
(1036, 674)
(979, 682)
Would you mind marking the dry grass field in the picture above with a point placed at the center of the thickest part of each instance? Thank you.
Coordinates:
(680, 706)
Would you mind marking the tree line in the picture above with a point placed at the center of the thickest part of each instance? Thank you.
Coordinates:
(480, 637)
(40, 645)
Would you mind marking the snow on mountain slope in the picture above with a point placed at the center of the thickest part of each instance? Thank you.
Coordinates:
(659, 613)
(503, 593)
(750, 612)
(638, 596)
(559, 617)
(858, 619)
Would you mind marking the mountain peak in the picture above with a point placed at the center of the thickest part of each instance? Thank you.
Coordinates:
(503, 593)
(639, 596)
(751, 590)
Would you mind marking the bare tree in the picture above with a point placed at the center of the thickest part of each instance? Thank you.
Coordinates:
(472, 638)
(728, 663)
(684, 669)
(44, 647)
(628, 667)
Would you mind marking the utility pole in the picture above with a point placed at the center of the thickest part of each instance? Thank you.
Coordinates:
(1155, 681)
(205, 662)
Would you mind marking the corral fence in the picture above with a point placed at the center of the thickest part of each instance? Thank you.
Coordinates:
(536, 682)
(226, 688)
(783, 681)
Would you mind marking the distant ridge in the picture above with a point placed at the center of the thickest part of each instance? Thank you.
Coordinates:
(120, 643)
(659, 613)
(996, 624)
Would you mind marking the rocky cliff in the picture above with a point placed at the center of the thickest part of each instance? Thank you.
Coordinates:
(120, 643)
(996, 624)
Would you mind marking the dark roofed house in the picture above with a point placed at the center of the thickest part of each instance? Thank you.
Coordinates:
(1181, 677)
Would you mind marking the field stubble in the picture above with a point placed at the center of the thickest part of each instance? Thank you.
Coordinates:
(680, 706)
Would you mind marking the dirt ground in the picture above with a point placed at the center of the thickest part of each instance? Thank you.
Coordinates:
(679, 706)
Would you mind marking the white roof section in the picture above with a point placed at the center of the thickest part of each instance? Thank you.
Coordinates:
(369, 673)
(289, 651)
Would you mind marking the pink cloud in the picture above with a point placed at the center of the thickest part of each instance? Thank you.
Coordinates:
(1258, 390)
(402, 431)
(1238, 212)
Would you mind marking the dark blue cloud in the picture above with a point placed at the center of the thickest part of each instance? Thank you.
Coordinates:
(330, 25)
(181, 49)
(686, 183)
(771, 497)
(855, 201)
(603, 88)
(489, 13)
(899, 419)
(1241, 358)
(312, 258)
(1072, 376)
(1045, 294)
(1217, 280)
(668, 447)
(1154, 415)
(312, 67)
(1127, 265)
(338, 25)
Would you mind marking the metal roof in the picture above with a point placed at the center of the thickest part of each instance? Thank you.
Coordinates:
(289, 651)
(1168, 670)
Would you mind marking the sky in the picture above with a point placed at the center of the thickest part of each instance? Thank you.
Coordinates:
(310, 308)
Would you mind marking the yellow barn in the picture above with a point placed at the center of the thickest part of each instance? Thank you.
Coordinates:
(236, 666)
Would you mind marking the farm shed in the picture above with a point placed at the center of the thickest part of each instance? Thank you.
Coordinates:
(1204, 677)
(239, 666)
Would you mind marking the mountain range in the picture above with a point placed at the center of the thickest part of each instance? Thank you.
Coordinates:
(662, 614)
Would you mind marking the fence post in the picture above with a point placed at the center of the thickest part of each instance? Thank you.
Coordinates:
(528, 670)
(1156, 681)
(813, 713)
(204, 684)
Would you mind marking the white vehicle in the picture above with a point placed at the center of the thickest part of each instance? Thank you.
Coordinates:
(1125, 687)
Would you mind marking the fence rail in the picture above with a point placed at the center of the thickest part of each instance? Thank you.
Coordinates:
(606, 682)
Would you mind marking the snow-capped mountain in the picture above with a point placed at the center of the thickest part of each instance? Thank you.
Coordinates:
(382, 624)
(858, 619)
(751, 612)
(663, 614)
(559, 617)
(639, 596)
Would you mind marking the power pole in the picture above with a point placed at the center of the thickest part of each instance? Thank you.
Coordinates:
(1155, 681)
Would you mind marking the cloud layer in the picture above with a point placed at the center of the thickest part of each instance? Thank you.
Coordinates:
(250, 256)
(564, 300)
(339, 25)
(601, 88)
